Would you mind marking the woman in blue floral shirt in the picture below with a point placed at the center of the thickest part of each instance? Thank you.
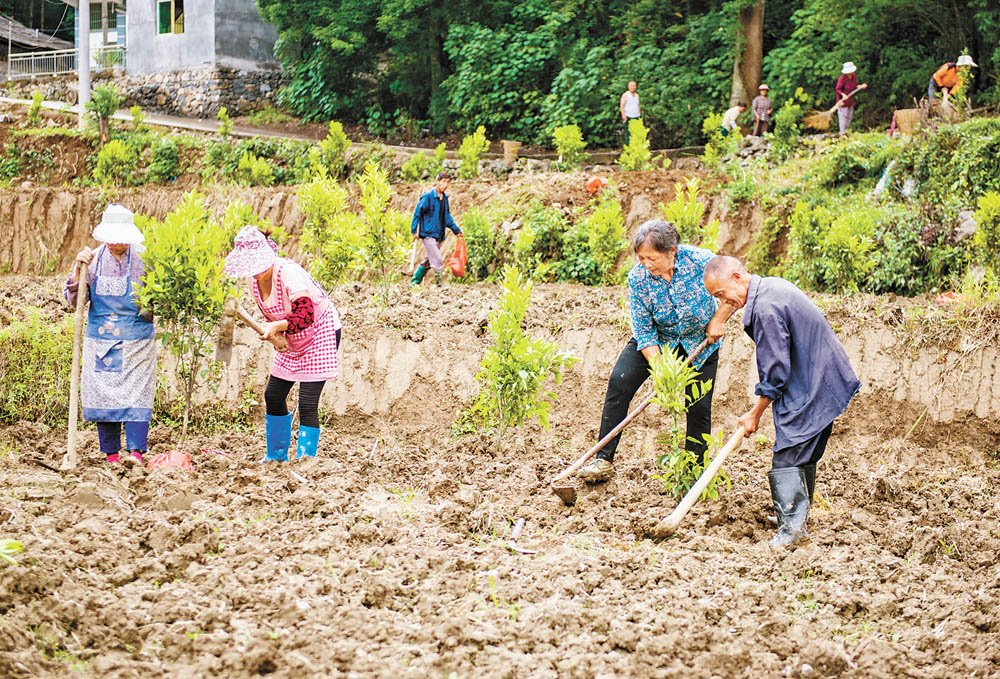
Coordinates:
(671, 310)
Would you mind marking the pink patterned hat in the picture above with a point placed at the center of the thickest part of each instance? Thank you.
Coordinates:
(252, 254)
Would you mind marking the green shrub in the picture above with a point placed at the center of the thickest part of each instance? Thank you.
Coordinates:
(860, 157)
(35, 110)
(254, 171)
(333, 150)
(577, 262)
(845, 251)
(415, 168)
(672, 378)
(36, 355)
(385, 233)
(164, 159)
(115, 164)
(481, 240)
(606, 236)
(225, 122)
(987, 238)
(437, 163)
(516, 366)
(806, 227)
(636, 154)
(472, 148)
(138, 119)
(788, 126)
(11, 164)
(104, 102)
(687, 213)
(570, 147)
(186, 287)
(718, 145)
(331, 234)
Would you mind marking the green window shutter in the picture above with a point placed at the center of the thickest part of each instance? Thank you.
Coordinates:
(165, 22)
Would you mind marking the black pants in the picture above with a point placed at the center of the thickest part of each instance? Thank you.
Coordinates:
(276, 395)
(807, 452)
(631, 370)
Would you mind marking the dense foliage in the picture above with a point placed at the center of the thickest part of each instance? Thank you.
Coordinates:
(522, 68)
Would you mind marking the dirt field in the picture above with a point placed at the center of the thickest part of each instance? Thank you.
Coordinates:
(389, 558)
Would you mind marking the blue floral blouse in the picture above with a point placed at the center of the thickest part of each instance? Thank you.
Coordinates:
(673, 313)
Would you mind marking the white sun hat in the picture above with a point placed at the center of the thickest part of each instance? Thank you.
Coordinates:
(966, 60)
(849, 68)
(118, 226)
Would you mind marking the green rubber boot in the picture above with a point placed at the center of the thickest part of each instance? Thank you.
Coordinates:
(418, 275)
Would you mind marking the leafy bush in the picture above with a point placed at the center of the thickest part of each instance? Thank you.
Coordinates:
(164, 159)
(788, 126)
(987, 237)
(333, 150)
(687, 213)
(570, 147)
(673, 378)
(484, 243)
(35, 110)
(105, 100)
(186, 287)
(636, 155)
(954, 161)
(225, 122)
(415, 168)
(830, 251)
(606, 236)
(331, 234)
(254, 171)
(860, 157)
(472, 148)
(385, 234)
(115, 164)
(806, 227)
(516, 366)
(35, 359)
(718, 145)
(437, 163)
(138, 119)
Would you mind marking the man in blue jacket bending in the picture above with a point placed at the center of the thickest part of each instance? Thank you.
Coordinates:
(429, 221)
(803, 371)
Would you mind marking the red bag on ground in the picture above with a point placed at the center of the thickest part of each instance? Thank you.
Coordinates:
(459, 258)
(174, 458)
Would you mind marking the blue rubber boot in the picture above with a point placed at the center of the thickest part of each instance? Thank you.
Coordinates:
(279, 436)
(308, 441)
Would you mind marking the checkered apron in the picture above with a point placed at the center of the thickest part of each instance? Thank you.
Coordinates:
(312, 353)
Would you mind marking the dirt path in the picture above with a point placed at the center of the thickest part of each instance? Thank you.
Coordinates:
(389, 559)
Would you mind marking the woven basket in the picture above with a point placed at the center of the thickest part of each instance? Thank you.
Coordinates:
(907, 119)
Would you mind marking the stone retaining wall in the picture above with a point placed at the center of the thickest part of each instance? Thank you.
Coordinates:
(196, 93)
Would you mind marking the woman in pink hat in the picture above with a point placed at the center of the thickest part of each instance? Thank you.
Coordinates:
(293, 304)
(119, 350)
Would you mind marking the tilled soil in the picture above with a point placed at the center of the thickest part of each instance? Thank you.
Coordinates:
(386, 557)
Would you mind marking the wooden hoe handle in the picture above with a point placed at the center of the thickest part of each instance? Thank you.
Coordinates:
(254, 325)
(573, 468)
(669, 525)
(70, 459)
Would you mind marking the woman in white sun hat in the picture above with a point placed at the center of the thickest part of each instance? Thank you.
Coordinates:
(847, 83)
(294, 304)
(119, 350)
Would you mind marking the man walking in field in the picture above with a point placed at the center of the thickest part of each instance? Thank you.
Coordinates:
(628, 106)
(804, 373)
(430, 218)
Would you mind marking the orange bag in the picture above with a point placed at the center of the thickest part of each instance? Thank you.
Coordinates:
(174, 458)
(459, 258)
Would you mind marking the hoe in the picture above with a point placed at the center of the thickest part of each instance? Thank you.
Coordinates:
(568, 493)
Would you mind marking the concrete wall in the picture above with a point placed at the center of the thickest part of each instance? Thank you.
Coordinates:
(242, 38)
(152, 53)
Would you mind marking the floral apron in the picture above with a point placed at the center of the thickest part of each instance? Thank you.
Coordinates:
(119, 354)
(312, 353)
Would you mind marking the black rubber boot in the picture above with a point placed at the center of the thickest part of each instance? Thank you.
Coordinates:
(810, 471)
(790, 495)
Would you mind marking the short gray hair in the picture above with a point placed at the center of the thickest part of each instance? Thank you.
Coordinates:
(657, 234)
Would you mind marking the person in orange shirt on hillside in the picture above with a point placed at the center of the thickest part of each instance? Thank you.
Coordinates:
(948, 77)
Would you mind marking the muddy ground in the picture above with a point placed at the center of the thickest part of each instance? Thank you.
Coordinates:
(386, 556)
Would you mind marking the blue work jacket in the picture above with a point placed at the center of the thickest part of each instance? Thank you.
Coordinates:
(801, 365)
(427, 216)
